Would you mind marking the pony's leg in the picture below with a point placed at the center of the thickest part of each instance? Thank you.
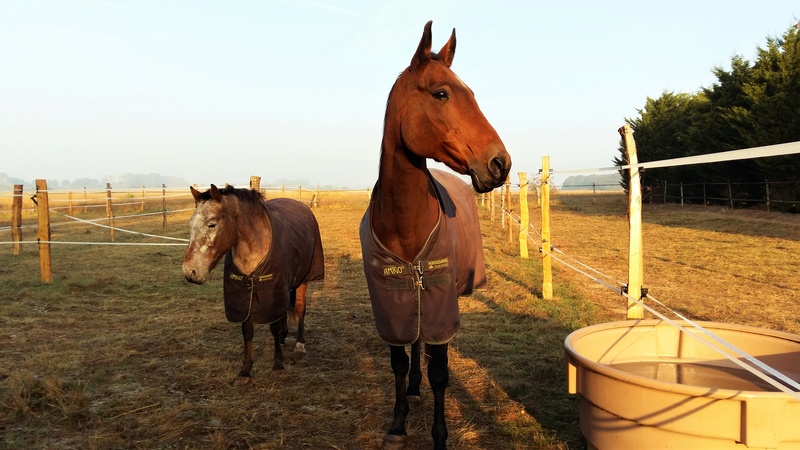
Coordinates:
(247, 364)
(300, 313)
(415, 375)
(278, 329)
(439, 378)
(396, 437)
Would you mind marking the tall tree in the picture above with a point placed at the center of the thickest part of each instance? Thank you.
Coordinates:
(776, 110)
(662, 130)
(750, 105)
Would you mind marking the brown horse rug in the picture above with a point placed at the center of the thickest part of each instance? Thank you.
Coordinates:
(295, 257)
(418, 300)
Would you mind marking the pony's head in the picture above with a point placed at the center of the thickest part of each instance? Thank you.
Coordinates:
(438, 117)
(212, 233)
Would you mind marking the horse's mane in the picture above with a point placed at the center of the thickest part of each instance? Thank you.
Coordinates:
(248, 196)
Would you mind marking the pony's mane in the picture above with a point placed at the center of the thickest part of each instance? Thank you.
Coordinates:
(244, 195)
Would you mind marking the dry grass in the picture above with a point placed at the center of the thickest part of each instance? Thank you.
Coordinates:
(120, 352)
(709, 263)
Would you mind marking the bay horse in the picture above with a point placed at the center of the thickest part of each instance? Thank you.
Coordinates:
(272, 249)
(420, 236)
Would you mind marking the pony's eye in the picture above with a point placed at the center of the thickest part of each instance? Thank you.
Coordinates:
(440, 95)
(212, 225)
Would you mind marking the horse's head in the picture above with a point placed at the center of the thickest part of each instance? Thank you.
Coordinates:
(212, 234)
(440, 119)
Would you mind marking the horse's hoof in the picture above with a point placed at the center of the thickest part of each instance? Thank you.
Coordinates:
(299, 351)
(277, 375)
(414, 399)
(240, 381)
(395, 442)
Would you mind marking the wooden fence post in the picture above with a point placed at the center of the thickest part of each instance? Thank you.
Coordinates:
(730, 193)
(109, 211)
(142, 208)
(300, 193)
(43, 233)
(547, 263)
(16, 220)
(503, 207)
(164, 206)
(635, 256)
(705, 201)
(523, 215)
(255, 182)
(491, 204)
(508, 208)
(69, 205)
(681, 193)
(766, 192)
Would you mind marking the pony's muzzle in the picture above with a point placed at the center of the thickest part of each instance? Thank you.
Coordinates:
(192, 277)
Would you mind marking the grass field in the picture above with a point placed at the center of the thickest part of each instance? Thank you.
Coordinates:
(120, 352)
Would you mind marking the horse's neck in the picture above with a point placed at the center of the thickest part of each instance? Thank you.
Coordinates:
(406, 209)
(254, 240)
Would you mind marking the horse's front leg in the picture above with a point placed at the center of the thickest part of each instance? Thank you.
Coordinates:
(300, 312)
(396, 437)
(244, 373)
(278, 329)
(415, 375)
(439, 378)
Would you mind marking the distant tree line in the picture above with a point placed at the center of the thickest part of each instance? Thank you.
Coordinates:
(123, 181)
(149, 181)
(607, 182)
(750, 105)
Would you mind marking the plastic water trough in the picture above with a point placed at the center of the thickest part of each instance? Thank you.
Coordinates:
(648, 385)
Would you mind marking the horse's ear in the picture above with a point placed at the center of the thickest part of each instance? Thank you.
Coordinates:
(215, 195)
(423, 53)
(448, 51)
(195, 194)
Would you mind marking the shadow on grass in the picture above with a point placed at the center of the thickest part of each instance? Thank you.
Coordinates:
(524, 354)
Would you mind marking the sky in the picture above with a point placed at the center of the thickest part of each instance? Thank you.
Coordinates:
(216, 91)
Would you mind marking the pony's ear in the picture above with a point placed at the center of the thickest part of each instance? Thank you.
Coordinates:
(195, 194)
(448, 51)
(215, 193)
(423, 53)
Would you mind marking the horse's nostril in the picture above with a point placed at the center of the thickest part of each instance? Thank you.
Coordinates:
(496, 166)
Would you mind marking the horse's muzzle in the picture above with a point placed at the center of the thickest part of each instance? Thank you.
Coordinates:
(493, 174)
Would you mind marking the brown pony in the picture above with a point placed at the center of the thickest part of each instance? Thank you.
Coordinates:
(272, 249)
(420, 236)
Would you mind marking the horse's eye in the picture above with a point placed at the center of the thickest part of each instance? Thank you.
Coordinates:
(440, 95)
(212, 225)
